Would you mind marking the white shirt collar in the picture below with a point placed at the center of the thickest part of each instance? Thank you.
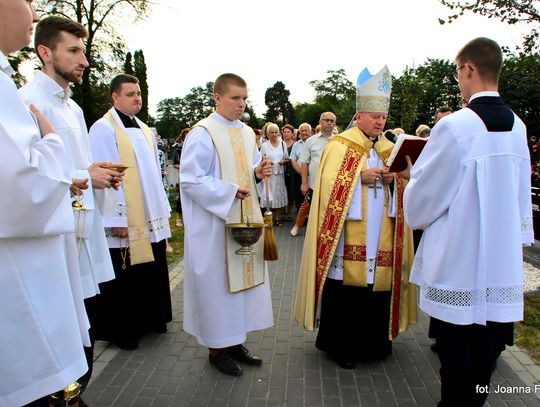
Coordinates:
(224, 120)
(52, 86)
(5, 66)
(490, 93)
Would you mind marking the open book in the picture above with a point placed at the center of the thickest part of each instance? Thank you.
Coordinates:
(406, 145)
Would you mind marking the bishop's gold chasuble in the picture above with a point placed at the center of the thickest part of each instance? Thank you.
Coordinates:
(339, 172)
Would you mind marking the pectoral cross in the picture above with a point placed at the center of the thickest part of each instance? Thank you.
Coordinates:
(375, 187)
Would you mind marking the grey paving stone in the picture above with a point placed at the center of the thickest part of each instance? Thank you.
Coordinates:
(172, 369)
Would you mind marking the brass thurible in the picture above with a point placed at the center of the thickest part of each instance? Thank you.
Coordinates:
(68, 397)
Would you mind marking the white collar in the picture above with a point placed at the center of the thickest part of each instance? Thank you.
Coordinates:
(5, 66)
(490, 93)
(224, 120)
(52, 86)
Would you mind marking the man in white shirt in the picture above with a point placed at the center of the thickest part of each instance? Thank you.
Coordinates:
(470, 190)
(310, 155)
(304, 131)
(136, 220)
(226, 295)
(59, 46)
(42, 321)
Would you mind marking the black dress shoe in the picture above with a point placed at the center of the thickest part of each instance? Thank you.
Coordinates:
(241, 354)
(127, 344)
(225, 364)
(343, 362)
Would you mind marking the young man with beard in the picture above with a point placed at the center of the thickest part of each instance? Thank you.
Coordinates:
(58, 43)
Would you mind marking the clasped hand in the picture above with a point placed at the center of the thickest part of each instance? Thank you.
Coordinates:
(371, 175)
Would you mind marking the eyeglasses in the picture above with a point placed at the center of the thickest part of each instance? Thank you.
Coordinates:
(328, 120)
(456, 72)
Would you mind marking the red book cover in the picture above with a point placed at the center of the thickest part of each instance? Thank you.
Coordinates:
(406, 145)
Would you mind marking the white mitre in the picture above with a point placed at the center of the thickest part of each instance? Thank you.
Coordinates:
(373, 91)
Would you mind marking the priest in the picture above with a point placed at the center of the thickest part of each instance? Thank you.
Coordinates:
(226, 295)
(42, 314)
(470, 190)
(136, 220)
(357, 251)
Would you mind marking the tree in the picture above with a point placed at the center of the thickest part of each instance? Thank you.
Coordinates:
(337, 94)
(15, 60)
(309, 113)
(280, 110)
(169, 118)
(404, 101)
(509, 11)
(140, 72)
(128, 64)
(104, 46)
(198, 103)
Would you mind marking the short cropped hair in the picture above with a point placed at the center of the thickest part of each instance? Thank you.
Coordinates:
(49, 29)
(119, 80)
(442, 109)
(221, 85)
(305, 125)
(485, 54)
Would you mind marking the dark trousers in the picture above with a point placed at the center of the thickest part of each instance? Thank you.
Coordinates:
(468, 355)
(42, 402)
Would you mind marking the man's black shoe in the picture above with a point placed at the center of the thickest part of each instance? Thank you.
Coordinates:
(343, 362)
(241, 354)
(225, 364)
(434, 347)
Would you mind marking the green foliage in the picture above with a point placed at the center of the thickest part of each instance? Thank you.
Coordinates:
(509, 11)
(419, 92)
(335, 94)
(280, 110)
(528, 331)
(520, 89)
(175, 114)
(104, 46)
(128, 64)
(16, 59)
(140, 72)
(169, 118)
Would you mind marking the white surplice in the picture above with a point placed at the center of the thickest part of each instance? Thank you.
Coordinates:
(216, 317)
(374, 212)
(68, 120)
(113, 204)
(43, 325)
(470, 190)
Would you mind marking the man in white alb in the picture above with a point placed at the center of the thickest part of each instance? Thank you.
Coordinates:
(43, 325)
(226, 295)
(58, 42)
(470, 190)
(136, 219)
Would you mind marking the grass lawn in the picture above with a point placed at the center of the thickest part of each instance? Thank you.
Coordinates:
(528, 331)
(177, 239)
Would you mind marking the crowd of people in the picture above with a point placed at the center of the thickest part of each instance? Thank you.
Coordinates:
(85, 222)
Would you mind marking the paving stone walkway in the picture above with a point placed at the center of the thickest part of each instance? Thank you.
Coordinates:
(173, 370)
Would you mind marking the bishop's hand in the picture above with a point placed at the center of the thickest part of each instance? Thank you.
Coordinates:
(406, 173)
